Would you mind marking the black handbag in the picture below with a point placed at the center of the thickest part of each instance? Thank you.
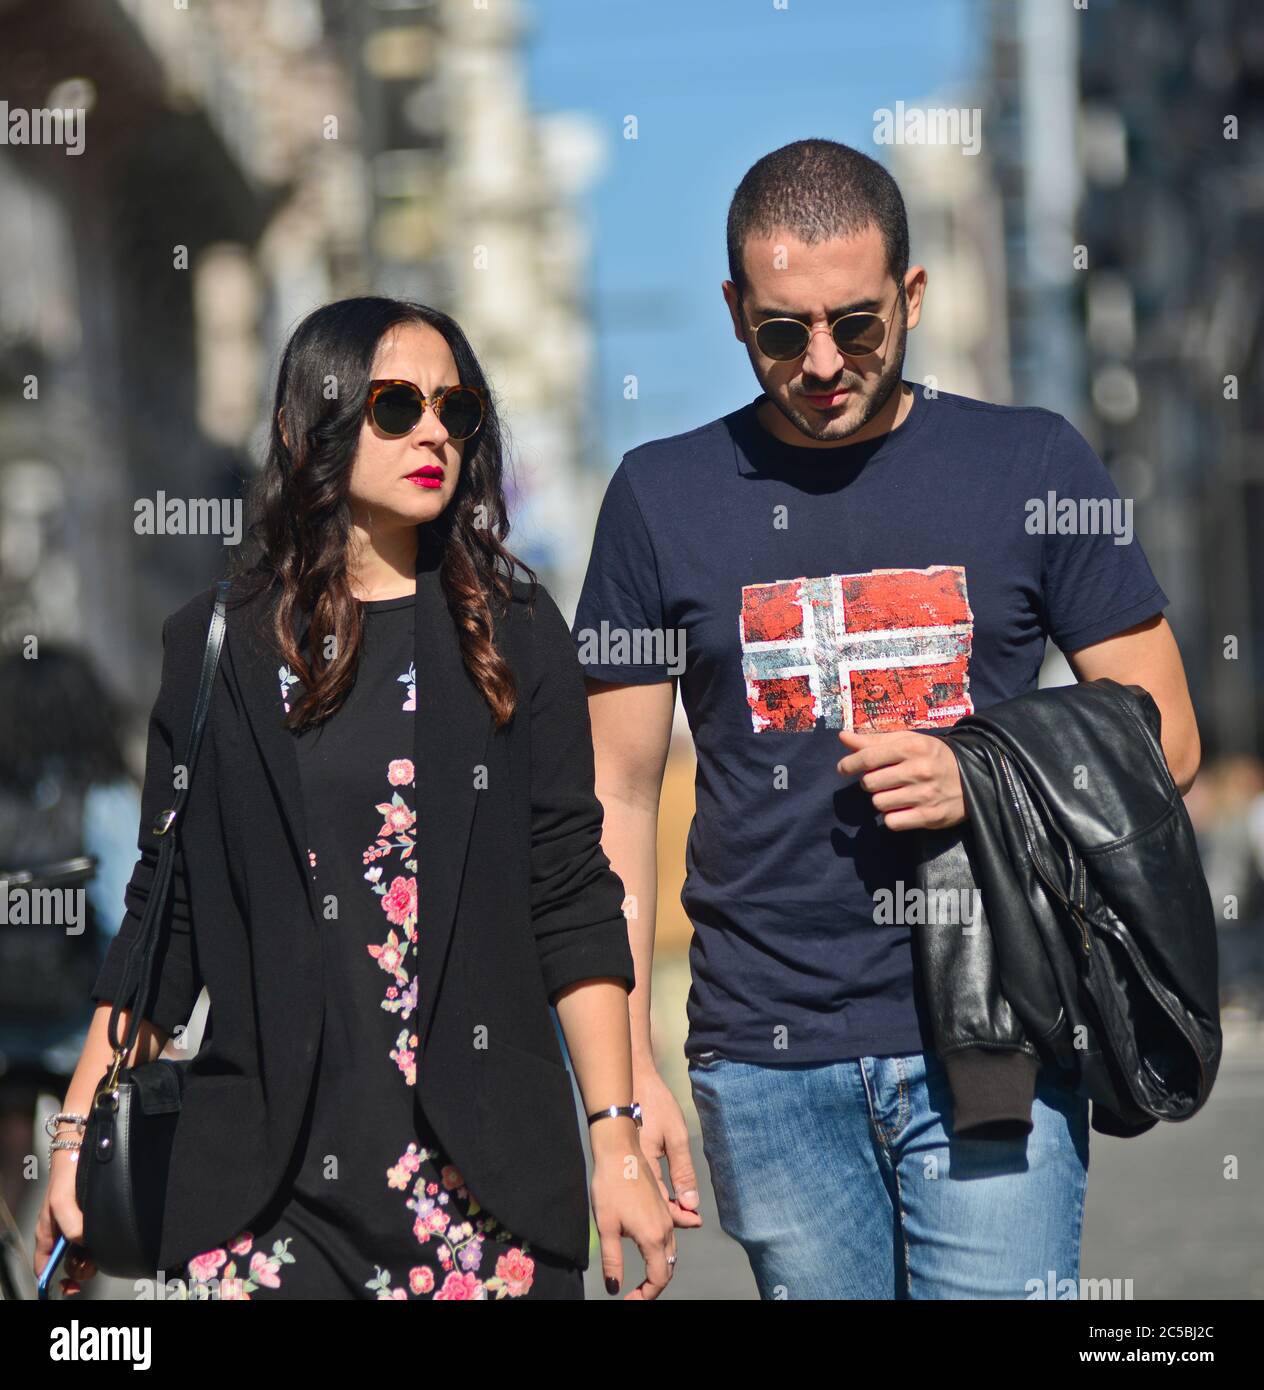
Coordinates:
(125, 1155)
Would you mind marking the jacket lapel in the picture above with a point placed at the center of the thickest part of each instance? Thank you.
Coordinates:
(450, 734)
(451, 727)
(256, 668)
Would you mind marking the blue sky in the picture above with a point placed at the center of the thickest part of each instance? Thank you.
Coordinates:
(714, 84)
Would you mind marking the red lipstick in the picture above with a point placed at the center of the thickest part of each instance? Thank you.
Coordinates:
(428, 475)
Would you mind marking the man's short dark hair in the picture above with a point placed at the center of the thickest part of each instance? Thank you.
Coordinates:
(817, 190)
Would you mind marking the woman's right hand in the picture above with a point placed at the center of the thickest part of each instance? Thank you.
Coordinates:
(60, 1215)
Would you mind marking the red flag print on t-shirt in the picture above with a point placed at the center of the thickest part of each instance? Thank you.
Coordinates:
(887, 649)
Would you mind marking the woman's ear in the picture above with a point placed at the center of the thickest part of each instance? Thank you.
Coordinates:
(281, 427)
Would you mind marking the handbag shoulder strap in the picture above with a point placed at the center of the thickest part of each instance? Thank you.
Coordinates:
(145, 943)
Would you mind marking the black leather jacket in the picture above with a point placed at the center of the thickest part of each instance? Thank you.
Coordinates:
(1094, 946)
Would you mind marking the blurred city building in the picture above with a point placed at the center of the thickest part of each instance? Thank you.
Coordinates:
(1134, 201)
(245, 161)
(957, 232)
(1173, 311)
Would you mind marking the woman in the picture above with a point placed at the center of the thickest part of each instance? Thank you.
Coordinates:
(390, 865)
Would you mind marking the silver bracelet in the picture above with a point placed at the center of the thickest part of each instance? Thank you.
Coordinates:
(63, 1116)
(612, 1111)
(65, 1144)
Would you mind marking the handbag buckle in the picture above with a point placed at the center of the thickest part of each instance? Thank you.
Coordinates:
(110, 1084)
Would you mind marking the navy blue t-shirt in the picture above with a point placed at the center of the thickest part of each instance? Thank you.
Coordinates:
(899, 582)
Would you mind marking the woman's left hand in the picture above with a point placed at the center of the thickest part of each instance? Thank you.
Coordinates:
(913, 778)
(626, 1202)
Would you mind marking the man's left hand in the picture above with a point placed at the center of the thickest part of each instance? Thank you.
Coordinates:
(913, 778)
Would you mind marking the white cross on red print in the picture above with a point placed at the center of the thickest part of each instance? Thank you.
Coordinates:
(887, 649)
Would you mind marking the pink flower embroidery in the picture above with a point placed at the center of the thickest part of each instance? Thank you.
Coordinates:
(263, 1270)
(430, 1222)
(421, 1279)
(405, 1056)
(399, 902)
(400, 772)
(402, 1173)
(517, 1270)
(207, 1265)
(396, 819)
(460, 1287)
(390, 955)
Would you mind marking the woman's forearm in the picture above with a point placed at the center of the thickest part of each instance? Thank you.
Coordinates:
(594, 1018)
(97, 1054)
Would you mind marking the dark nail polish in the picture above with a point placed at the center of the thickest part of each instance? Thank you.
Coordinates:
(612, 1284)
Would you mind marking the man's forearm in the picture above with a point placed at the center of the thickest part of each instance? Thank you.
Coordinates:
(630, 840)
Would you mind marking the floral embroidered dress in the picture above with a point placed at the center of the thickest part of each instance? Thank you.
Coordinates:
(371, 1207)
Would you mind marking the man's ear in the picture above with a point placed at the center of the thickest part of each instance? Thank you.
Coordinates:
(733, 299)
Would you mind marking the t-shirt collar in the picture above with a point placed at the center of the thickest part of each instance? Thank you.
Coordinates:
(759, 453)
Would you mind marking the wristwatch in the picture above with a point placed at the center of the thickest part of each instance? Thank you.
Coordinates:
(612, 1110)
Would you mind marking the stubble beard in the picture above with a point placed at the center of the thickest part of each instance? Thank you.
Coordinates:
(842, 426)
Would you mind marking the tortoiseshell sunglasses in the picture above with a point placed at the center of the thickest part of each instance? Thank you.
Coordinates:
(396, 407)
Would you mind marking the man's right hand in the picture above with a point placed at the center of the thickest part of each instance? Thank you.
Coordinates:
(664, 1134)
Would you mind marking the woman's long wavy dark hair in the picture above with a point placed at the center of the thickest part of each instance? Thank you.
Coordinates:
(301, 518)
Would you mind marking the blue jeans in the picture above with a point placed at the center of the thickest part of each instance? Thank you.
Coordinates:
(841, 1181)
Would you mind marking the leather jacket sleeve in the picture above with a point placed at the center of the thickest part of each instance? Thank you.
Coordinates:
(991, 1063)
(1099, 958)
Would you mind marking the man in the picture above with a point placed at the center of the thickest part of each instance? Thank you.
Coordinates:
(850, 559)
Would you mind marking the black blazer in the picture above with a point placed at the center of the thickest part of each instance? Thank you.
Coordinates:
(517, 900)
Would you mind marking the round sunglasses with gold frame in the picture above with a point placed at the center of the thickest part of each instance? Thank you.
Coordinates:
(855, 335)
(396, 407)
